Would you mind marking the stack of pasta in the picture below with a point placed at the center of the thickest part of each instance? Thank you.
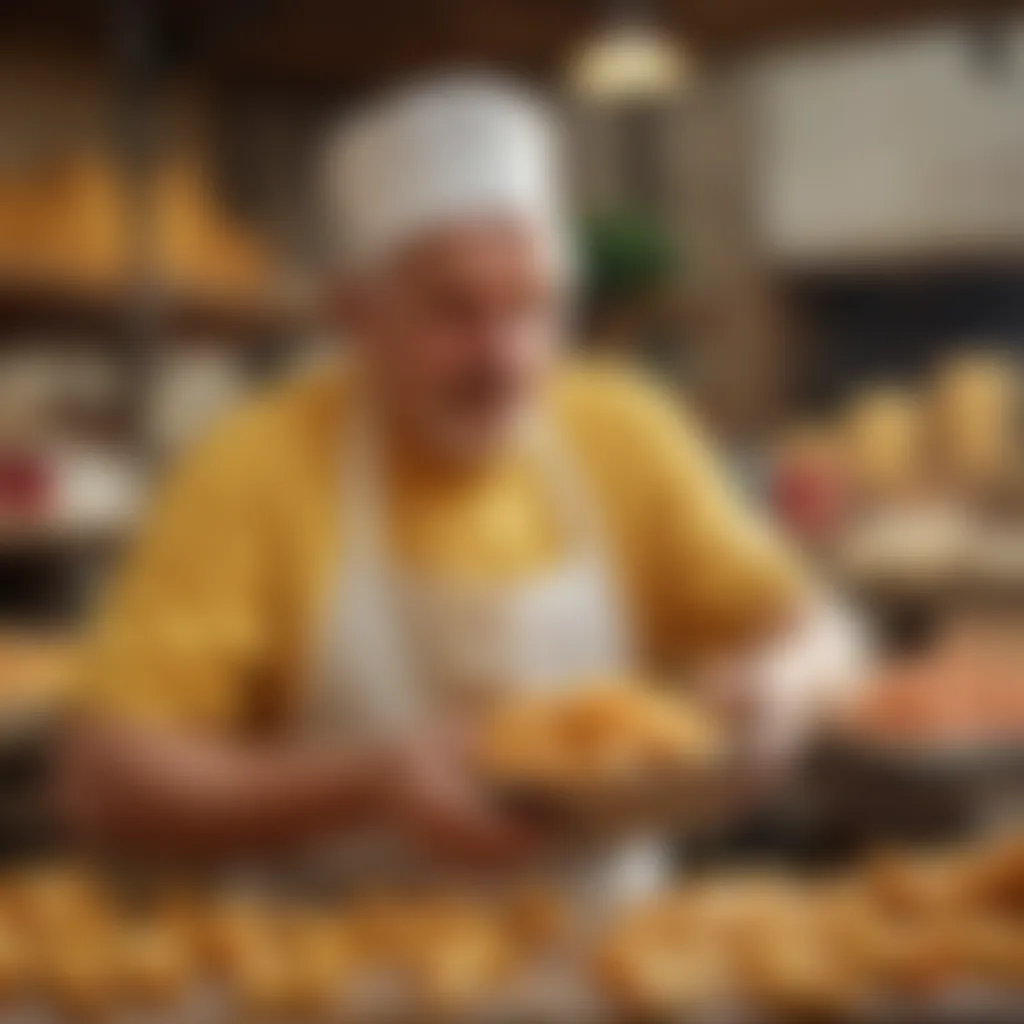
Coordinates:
(901, 930)
(64, 222)
(600, 748)
(67, 945)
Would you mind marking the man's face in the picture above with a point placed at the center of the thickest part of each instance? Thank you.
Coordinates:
(458, 332)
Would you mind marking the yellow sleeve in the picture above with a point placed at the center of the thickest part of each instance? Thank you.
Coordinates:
(181, 639)
(718, 573)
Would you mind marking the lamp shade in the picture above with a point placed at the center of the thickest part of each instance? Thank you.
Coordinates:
(628, 62)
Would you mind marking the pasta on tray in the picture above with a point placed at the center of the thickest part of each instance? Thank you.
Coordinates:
(901, 930)
(604, 753)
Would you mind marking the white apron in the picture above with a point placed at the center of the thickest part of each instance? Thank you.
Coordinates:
(400, 649)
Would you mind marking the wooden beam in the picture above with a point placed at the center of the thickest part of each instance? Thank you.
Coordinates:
(352, 44)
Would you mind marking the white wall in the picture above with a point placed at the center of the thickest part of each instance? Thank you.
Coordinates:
(890, 148)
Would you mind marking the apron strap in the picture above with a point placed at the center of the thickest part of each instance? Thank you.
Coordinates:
(374, 640)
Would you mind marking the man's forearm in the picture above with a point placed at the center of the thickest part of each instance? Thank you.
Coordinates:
(138, 789)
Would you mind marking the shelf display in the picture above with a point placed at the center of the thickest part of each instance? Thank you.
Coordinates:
(885, 445)
(192, 387)
(65, 223)
(975, 402)
(74, 242)
(809, 487)
(912, 491)
(200, 250)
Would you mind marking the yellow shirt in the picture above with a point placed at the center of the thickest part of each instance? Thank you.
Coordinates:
(212, 622)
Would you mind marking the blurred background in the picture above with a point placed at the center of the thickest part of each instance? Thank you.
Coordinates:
(807, 216)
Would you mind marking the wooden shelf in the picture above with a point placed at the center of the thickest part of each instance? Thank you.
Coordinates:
(234, 319)
(113, 314)
(28, 306)
(49, 536)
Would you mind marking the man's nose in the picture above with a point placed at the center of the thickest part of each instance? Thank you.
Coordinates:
(504, 336)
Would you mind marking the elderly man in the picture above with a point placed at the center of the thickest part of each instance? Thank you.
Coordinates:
(348, 563)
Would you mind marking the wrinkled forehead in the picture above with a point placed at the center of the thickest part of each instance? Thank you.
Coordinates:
(486, 251)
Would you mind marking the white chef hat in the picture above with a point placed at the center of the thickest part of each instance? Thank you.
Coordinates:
(444, 151)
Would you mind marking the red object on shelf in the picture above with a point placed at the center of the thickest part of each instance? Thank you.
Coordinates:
(27, 485)
(808, 497)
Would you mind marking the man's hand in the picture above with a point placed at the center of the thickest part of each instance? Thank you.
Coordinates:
(777, 696)
(429, 795)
